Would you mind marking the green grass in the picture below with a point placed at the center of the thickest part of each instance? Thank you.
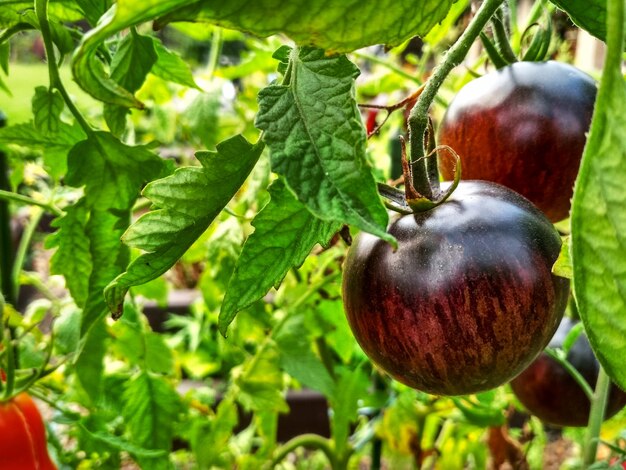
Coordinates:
(22, 81)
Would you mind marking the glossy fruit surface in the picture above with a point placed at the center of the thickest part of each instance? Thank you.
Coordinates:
(549, 392)
(23, 444)
(467, 300)
(523, 126)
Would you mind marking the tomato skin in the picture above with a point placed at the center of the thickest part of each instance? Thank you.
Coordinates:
(523, 126)
(466, 301)
(550, 393)
(23, 436)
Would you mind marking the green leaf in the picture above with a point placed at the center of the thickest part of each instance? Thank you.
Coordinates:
(131, 63)
(140, 347)
(351, 386)
(121, 444)
(47, 107)
(93, 9)
(187, 203)
(109, 257)
(598, 221)
(563, 264)
(67, 331)
(150, 411)
(317, 141)
(171, 67)
(209, 437)
(285, 232)
(590, 15)
(334, 25)
(27, 135)
(203, 115)
(260, 384)
(72, 258)
(299, 360)
(55, 146)
(89, 365)
(89, 70)
(331, 24)
(112, 172)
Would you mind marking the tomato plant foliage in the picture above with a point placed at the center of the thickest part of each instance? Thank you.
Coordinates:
(289, 169)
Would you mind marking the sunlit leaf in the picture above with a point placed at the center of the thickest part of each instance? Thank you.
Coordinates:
(599, 221)
(285, 232)
(317, 141)
(187, 202)
(335, 25)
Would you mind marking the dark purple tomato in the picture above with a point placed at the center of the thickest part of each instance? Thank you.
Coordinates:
(523, 126)
(549, 392)
(466, 301)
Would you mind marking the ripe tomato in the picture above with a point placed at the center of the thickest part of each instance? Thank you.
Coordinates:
(550, 393)
(467, 300)
(23, 436)
(523, 126)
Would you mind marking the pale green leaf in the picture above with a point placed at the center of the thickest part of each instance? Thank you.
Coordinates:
(563, 265)
(210, 437)
(89, 365)
(93, 9)
(336, 25)
(150, 411)
(67, 331)
(171, 67)
(89, 70)
(27, 135)
(72, 258)
(187, 203)
(131, 63)
(285, 232)
(109, 257)
(350, 388)
(599, 220)
(298, 359)
(260, 384)
(317, 141)
(121, 444)
(47, 107)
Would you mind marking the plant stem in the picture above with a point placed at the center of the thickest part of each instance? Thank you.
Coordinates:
(418, 119)
(6, 242)
(311, 441)
(216, 49)
(596, 416)
(22, 248)
(41, 9)
(577, 376)
(20, 198)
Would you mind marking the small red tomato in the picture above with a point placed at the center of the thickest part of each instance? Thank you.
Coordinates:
(23, 436)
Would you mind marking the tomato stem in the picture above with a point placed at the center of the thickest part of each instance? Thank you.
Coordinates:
(6, 243)
(310, 441)
(41, 9)
(596, 416)
(418, 119)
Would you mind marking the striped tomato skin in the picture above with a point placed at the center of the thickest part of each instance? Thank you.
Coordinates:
(466, 301)
(23, 436)
(523, 126)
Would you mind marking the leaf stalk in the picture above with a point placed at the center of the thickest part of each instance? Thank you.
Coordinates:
(418, 118)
